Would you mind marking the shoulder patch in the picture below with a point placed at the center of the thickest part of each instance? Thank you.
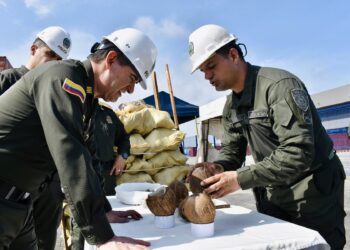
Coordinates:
(301, 99)
(74, 89)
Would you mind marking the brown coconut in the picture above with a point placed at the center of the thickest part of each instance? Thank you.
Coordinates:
(201, 173)
(198, 209)
(162, 202)
(180, 190)
(196, 178)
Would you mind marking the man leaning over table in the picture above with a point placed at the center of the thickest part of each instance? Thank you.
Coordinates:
(42, 121)
(297, 175)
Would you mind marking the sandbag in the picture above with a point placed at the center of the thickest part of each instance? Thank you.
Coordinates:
(141, 165)
(144, 121)
(168, 159)
(130, 107)
(139, 177)
(138, 145)
(168, 175)
(163, 139)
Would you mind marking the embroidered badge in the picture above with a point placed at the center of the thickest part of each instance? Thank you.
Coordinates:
(301, 99)
(74, 89)
(89, 90)
(109, 119)
(190, 48)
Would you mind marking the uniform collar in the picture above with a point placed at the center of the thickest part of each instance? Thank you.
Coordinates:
(23, 70)
(246, 97)
(90, 76)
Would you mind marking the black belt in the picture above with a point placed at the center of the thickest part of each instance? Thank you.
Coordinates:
(12, 193)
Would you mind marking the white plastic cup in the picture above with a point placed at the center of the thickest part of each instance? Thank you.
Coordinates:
(202, 230)
(164, 221)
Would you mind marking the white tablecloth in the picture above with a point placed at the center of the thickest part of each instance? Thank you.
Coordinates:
(235, 228)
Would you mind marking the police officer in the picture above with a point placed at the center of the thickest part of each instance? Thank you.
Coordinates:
(42, 120)
(112, 145)
(52, 43)
(106, 132)
(297, 175)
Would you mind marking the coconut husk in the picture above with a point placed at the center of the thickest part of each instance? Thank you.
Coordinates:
(162, 202)
(195, 179)
(180, 190)
(198, 209)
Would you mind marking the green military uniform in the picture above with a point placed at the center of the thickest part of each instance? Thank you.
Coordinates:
(294, 156)
(42, 121)
(107, 131)
(9, 76)
(47, 208)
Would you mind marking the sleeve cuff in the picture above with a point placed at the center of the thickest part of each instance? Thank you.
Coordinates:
(245, 177)
(98, 232)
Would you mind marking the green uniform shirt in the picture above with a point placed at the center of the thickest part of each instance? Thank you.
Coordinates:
(42, 121)
(109, 132)
(9, 76)
(276, 116)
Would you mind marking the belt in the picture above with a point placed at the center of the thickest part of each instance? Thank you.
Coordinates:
(12, 193)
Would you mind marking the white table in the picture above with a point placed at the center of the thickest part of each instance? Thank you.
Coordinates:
(235, 228)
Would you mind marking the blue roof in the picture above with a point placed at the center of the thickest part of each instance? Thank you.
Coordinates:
(185, 111)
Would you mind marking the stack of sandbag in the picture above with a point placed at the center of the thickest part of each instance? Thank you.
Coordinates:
(155, 155)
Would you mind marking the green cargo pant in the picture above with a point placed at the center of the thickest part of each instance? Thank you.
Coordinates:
(47, 212)
(16, 225)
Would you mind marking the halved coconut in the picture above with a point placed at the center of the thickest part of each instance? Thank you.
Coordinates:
(162, 202)
(198, 208)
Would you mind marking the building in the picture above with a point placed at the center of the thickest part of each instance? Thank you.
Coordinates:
(4, 63)
(333, 107)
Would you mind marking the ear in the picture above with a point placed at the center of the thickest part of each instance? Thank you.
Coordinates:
(111, 57)
(233, 54)
(33, 49)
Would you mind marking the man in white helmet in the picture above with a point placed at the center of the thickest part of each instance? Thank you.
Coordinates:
(55, 102)
(297, 175)
(52, 43)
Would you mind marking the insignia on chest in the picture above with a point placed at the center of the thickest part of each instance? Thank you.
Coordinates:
(109, 120)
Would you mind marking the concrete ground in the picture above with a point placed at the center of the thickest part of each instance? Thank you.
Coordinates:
(246, 199)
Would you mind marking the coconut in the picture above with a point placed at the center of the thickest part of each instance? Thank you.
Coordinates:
(196, 178)
(180, 190)
(162, 202)
(198, 209)
(201, 173)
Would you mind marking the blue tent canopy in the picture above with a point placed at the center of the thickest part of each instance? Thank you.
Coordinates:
(185, 111)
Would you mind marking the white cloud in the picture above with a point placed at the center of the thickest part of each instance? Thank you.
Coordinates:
(81, 44)
(3, 3)
(40, 8)
(165, 27)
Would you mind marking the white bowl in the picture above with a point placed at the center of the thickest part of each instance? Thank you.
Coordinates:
(135, 193)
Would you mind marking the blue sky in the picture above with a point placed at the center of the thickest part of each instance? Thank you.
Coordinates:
(310, 38)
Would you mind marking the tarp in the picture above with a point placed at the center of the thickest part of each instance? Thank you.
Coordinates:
(185, 111)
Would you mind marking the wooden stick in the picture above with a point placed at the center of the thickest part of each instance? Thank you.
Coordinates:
(155, 90)
(172, 100)
(222, 206)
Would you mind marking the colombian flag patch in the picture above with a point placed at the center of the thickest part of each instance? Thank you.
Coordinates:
(74, 89)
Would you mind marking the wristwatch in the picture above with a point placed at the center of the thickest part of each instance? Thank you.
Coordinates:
(124, 155)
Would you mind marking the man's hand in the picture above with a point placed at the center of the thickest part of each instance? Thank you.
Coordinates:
(122, 216)
(221, 184)
(124, 243)
(118, 166)
(212, 168)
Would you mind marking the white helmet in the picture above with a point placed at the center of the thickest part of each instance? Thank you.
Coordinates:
(138, 48)
(205, 41)
(57, 39)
